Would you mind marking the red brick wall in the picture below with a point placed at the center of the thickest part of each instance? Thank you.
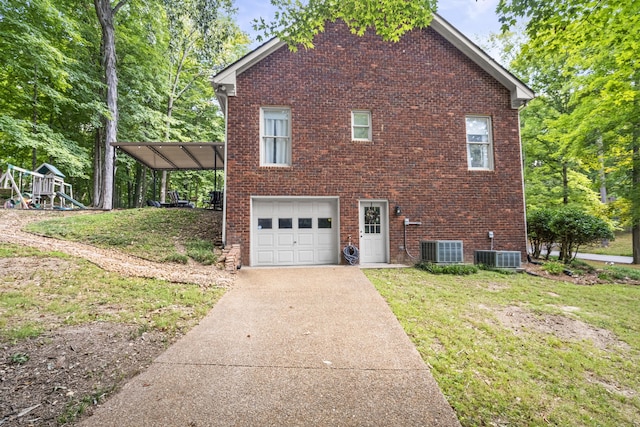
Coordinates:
(419, 91)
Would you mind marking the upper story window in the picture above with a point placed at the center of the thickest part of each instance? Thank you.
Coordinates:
(479, 143)
(275, 136)
(361, 125)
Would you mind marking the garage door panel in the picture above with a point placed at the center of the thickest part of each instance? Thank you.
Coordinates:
(285, 239)
(265, 257)
(296, 231)
(326, 256)
(325, 239)
(305, 209)
(305, 239)
(306, 256)
(286, 257)
(285, 208)
(265, 240)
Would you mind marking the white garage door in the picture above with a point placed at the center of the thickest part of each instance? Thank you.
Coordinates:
(294, 232)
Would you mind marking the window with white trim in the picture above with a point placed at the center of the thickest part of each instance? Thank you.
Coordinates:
(479, 143)
(275, 136)
(361, 125)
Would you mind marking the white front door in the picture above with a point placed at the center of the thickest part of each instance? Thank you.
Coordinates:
(373, 231)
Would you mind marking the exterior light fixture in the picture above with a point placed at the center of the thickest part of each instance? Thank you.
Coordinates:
(398, 210)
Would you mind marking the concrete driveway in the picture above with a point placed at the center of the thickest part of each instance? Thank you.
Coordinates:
(287, 347)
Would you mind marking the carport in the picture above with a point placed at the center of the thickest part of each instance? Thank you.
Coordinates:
(175, 156)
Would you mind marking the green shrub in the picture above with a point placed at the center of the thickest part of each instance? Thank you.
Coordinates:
(553, 267)
(541, 236)
(574, 228)
(454, 269)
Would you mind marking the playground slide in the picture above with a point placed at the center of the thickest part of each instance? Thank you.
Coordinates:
(70, 200)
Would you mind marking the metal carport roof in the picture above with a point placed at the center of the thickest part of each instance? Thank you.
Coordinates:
(175, 156)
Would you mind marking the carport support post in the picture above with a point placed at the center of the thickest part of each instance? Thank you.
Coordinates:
(215, 168)
(154, 185)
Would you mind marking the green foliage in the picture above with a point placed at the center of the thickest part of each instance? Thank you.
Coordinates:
(574, 228)
(453, 269)
(297, 23)
(540, 233)
(569, 227)
(19, 358)
(51, 83)
(553, 267)
(581, 57)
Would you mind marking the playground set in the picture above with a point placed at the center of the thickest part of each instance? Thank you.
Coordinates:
(43, 188)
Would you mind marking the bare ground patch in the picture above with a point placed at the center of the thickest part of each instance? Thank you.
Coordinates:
(68, 367)
(56, 378)
(520, 320)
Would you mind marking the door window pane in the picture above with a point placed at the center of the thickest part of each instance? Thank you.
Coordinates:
(285, 223)
(372, 220)
(324, 222)
(305, 223)
(264, 224)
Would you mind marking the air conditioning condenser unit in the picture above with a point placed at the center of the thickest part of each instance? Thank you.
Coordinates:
(498, 259)
(442, 251)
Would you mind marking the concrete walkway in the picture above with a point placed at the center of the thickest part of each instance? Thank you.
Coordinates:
(287, 347)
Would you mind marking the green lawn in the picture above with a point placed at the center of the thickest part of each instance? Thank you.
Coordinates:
(620, 246)
(161, 235)
(35, 296)
(517, 350)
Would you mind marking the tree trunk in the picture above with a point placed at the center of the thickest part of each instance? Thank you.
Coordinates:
(97, 167)
(106, 16)
(635, 197)
(163, 186)
(34, 151)
(565, 184)
(603, 180)
(635, 178)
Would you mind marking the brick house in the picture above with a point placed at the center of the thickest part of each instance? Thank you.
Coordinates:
(349, 140)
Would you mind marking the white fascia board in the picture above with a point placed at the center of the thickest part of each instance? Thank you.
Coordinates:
(520, 93)
(225, 80)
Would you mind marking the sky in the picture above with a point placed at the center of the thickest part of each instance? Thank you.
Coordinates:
(476, 19)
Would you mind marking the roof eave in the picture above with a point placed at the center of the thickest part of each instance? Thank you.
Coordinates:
(225, 85)
(520, 92)
(224, 82)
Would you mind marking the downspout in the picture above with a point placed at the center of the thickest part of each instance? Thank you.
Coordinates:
(524, 195)
(225, 107)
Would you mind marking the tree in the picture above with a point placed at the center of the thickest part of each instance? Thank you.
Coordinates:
(104, 151)
(38, 72)
(297, 23)
(598, 43)
(202, 36)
